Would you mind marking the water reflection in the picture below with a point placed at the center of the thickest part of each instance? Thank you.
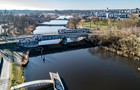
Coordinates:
(113, 57)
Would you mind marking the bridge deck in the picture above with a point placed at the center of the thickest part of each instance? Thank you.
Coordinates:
(47, 35)
(35, 39)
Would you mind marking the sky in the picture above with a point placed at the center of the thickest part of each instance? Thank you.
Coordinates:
(68, 4)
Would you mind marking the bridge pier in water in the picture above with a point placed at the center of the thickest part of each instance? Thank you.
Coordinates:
(86, 38)
(64, 41)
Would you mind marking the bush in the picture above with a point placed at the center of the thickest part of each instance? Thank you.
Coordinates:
(119, 41)
(129, 45)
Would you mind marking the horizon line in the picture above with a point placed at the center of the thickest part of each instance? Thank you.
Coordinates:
(66, 9)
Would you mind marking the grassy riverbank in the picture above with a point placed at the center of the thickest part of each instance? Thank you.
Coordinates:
(123, 42)
(16, 75)
(16, 72)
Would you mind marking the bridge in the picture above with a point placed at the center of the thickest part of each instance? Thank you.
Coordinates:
(33, 84)
(33, 40)
(42, 24)
(54, 23)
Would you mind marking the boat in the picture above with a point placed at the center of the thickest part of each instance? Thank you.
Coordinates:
(57, 83)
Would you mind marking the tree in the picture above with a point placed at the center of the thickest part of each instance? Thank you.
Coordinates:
(82, 21)
(95, 20)
(72, 23)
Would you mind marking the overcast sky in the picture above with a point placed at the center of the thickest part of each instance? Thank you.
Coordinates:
(68, 4)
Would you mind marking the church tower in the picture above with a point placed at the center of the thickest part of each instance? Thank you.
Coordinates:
(107, 12)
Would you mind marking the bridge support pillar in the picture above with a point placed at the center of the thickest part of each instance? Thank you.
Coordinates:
(87, 38)
(64, 41)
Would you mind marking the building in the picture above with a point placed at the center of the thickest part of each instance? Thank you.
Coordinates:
(115, 13)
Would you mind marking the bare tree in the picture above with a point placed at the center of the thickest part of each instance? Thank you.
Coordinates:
(73, 22)
(95, 20)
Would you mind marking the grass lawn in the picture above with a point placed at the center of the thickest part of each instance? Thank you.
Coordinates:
(101, 25)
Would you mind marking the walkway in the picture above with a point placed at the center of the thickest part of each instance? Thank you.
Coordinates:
(5, 75)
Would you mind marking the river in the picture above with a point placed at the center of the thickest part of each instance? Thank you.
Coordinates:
(83, 67)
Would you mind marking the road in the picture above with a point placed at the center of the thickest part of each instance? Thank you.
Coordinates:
(5, 75)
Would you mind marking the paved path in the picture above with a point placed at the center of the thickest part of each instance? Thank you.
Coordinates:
(5, 74)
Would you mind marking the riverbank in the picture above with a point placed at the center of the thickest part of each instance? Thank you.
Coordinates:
(27, 30)
(16, 72)
(123, 42)
(16, 75)
(25, 58)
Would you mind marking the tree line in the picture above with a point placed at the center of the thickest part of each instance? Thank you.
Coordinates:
(131, 22)
(17, 23)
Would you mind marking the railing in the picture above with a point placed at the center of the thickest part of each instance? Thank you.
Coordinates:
(32, 84)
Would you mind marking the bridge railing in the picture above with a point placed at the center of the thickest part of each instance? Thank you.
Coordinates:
(32, 84)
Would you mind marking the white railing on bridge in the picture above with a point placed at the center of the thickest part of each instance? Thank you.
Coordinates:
(32, 84)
